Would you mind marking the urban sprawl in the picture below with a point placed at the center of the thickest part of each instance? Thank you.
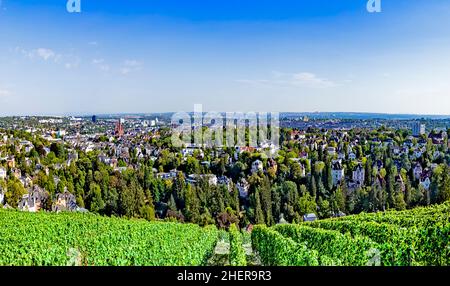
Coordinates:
(126, 166)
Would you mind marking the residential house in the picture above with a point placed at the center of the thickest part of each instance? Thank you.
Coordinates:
(417, 153)
(34, 200)
(224, 180)
(2, 196)
(11, 162)
(438, 138)
(194, 178)
(167, 176)
(389, 142)
(422, 142)
(310, 217)
(417, 171)
(243, 188)
(272, 164)
(408, 143)
(66, 202)
(297, 135)
(3, 173)
(257, 166)
(26, 181)
(425, 181)
(331, 151)
(359, 175)
(396, 150)
(337, 172)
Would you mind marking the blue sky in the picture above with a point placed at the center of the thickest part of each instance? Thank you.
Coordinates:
(229, 55)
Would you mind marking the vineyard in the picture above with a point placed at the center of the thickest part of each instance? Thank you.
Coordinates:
(84, 239)
(416, 237)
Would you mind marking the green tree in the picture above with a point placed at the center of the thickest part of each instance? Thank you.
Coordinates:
(307, 204)
(259, 215)
(15, 192)
(192, 211)
(96, 203)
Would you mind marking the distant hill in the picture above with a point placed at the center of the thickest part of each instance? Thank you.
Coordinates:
(357, 115)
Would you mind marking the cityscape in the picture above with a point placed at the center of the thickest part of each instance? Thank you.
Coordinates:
(329, 145)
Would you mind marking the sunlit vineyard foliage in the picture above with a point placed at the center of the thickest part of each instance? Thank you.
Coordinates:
(237, 252)
(84, 239)
(416, 237)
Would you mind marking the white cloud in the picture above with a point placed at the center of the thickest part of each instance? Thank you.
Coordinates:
(93, 43)
(101, 64)
(71, 65)
(302, 79)
(311, 80)
(98, 61)
(132, 63)
(129, 66)
(69, 61)
(4, 93)
(45, 54)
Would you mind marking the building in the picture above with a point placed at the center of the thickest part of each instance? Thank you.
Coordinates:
(118, 130)
(243, 187)
(11, 162)
(438, 138)
(272, 164)
(225, 181)
(418, 171)
(2, 173)
(257, 166)
(94, 118)
(418, 129)
(359, 175)
(168, 176)
(297, 135)
(66, 202)
(337, 172)
(34, 200)
(310, 217)
(331, 151)
(352, 156)
(425, 181)
(209, 178)
(61, 133)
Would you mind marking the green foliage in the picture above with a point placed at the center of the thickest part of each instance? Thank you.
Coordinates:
(85, 239)
(276, 250)
(394, 244)
(395, 238)
(237, 252)
(15, 192)
(341, 248)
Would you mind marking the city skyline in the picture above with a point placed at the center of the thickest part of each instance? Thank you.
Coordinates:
(165, 56)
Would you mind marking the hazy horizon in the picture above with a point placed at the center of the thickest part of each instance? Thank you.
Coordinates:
(89, 114)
